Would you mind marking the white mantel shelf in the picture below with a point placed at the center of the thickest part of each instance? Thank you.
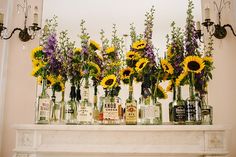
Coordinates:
(120, 140)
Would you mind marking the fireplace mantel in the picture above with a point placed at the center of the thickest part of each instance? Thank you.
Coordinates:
(119, 140)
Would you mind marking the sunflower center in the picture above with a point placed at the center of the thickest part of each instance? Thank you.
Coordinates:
(131, 56)
(109, 82)
(126, 73)
(193, 65)
(140, 45)
(141, 65)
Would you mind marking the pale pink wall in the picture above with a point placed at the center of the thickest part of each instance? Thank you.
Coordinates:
(222, 93)
(20, 95)
(20, 86)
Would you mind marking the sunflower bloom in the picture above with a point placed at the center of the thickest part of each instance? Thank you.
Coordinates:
(167, 67)
(126, 73)
(141, 64)
(139, 45)
(131, 55)
(94, 68)
(35, 54)
(161, 93)
(110, 50)
(208, 59)
(169, 86)
(108, 81)
(180, 78)
(193, 64)
(94, 45)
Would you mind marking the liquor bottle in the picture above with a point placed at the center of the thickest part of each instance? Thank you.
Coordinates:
(63, 105)
(193, 105)
(111, 109)
(56, 110)
(179, 109)
(131, 115)
(85, 109)
(207, 112)
(71, 108)
(95, 106)
(157, 112)
(146, 111)
(43, 108)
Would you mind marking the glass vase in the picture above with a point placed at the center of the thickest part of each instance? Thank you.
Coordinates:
(193, 105)
(131, 115)
(207, 112)
(43, 105)
(95, 107)
(56, 110)
(179, 109)
(172, 104)
(71, 108)
(63, 105)
(85, 108)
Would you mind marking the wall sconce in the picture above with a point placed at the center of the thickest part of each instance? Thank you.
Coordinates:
(218, 30)
(25, 34)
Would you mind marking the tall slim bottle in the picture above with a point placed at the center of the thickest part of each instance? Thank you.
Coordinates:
(71, 108)
(131, 115)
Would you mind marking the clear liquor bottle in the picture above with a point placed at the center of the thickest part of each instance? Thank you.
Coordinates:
(95, 107)
(207, 112)
(63, 104)
(43, 107)
(85, 109)
(172, 104)
(131, 112)
(56, 110)
(71, 108)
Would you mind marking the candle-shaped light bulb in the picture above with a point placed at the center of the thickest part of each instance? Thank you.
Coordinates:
(198, 25)
(1, 18)
(36, 18)
(207, 13)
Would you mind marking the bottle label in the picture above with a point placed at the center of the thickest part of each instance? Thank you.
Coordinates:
(131, 113)
(205, 112)
(68, 112)
(157, 112)
(110, 110)
(193, 111)
(85, 113)
(179, 113)
(44, 109)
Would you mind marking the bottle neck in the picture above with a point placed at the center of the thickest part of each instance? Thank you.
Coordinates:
(63, 96)
(130, 92)
(179, 94)
(191, 86)
(44, 87)
(72, 92)
(86, 90)
(174, 93)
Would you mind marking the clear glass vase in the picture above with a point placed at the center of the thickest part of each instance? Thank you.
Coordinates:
(56, 110)
(207, 112)
(193, 105)
(131, 111)
(95, 107)
(85, 108)
(71, 108)
(43, 106)
(63, 105)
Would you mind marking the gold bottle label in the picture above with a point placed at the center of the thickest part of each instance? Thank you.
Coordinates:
(131, 113)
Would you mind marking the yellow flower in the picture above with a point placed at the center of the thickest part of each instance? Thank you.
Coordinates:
(112, 64)
(35, 51)
(110, 50)
(193, 64)
(126, 73)
(35, 71)
(108, 81)
(50, 80)
(161, 93)
(169, 86)
(94, 45)
(180, 78)
(77, 50)
(131, 55)
(167, 67)
(94, 68)
(141, 64)
(208, 59)
(139, 45)
(169, 51)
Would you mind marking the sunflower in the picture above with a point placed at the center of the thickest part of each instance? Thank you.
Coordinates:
(131, 55)
(169, 86)
(94, 45)
(126, 73)
(161, 93)
(180, 78)
(139, 45)
(58, 86)
(77, 50)
(167, 67)
(208, 59)
(50, 80)
(37, 53)
(36, 70)
(193, 64)
(94, 69)
(110, 50)
(141, 64)
(109, 81)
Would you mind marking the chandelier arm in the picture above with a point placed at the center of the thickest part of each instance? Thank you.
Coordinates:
(16, 29)
(228, 25)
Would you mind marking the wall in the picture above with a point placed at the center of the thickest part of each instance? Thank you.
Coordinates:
(222, 88)
(20, 93)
